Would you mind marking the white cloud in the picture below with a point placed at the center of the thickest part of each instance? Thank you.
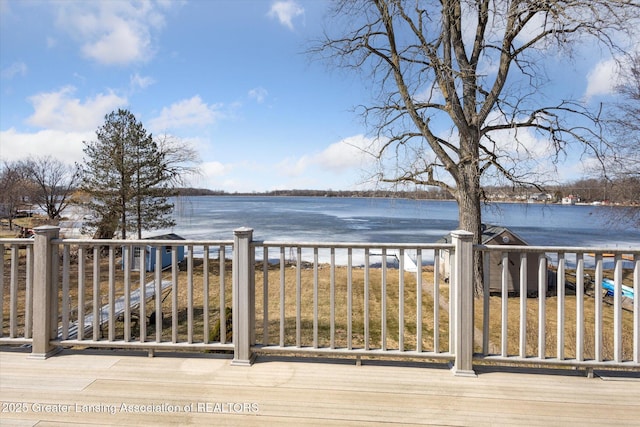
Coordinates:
(61, 111)
(112, 32)
(259, 94)
(215, 169)
(285, 11)
(65, 146)
(188, 112)
(601, 79)
(142, 82)
(350, 154)
(16, 69)
(293, 167)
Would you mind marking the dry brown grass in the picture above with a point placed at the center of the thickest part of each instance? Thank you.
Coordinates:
(551, 333)
(175, 321)
(375, 309)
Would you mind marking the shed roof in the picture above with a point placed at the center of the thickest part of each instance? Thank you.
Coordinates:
(169, 236)
(489, 231)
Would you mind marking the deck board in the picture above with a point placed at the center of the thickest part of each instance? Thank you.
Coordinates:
(302, 392)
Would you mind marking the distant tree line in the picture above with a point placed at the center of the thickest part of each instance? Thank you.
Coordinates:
(431, 193)
(624, 190)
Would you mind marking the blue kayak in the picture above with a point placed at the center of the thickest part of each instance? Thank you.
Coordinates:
(610, 286)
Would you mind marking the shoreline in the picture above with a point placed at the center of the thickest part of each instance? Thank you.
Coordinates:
(373, 197)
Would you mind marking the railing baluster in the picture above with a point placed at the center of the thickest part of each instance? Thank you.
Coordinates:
(97, 312)
(366, 298)
(579, 307)
(332, 299)
(81, 296)
(560, 307)
(265, 296)
(436, 302)
(174, 292)
(504, 300)
(598, 308)
(419, 299)
(55, 286)
(190, 294)
(158, 293)
(13, 292)
(298, 296)
(383, 301)
(205, 294)
(223, 296)
(349, 299)
(486, 300)
(66, 303)
(282, 295)
(523, 305)
(126, 259)
(636, 309)
(112, 293)
(542, 298)
(2, 247)
(401, 300)
(142, 265)
(315, 297)
(617, 309)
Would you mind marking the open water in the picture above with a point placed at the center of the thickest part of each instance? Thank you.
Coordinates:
(317, 219)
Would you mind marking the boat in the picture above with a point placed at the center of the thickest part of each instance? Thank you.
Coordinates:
(610, 286)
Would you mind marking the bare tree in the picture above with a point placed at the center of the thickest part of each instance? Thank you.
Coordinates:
(460, 86)
(622, 165)
(54, 183)
(179, 160)
(14, 189)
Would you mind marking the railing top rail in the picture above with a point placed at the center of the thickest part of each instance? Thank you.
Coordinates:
(570, 249)
(143, 242)
(17, 241)
(354, 245)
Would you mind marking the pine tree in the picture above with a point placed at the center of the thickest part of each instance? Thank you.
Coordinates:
(125, 179)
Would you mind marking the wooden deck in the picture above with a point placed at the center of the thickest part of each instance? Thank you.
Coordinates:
(124, 388)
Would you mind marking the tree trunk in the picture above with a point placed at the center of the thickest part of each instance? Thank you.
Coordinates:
(469, 200)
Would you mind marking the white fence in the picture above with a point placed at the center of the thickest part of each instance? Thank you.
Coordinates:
(345, 299)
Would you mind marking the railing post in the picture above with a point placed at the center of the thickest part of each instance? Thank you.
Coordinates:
(463, 303)
(243, 313)
(44, 292)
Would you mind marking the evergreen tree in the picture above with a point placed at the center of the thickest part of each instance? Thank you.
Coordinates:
(125, 178)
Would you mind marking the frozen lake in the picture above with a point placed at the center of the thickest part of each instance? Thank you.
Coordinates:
(317, 219)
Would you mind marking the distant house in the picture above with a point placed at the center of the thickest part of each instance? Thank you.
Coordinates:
(570, 200)
(150, 253)
(496, 235)
(539, 197)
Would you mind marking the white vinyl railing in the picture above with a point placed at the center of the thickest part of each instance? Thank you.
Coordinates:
(16, 291)
(116, 302)
(541, 305)
(572, 319)
(361, 299)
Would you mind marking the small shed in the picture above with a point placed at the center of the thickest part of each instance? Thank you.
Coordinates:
(150, 253)
(497, 235)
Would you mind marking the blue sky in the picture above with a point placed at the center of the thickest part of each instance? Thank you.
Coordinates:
(229, 77)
